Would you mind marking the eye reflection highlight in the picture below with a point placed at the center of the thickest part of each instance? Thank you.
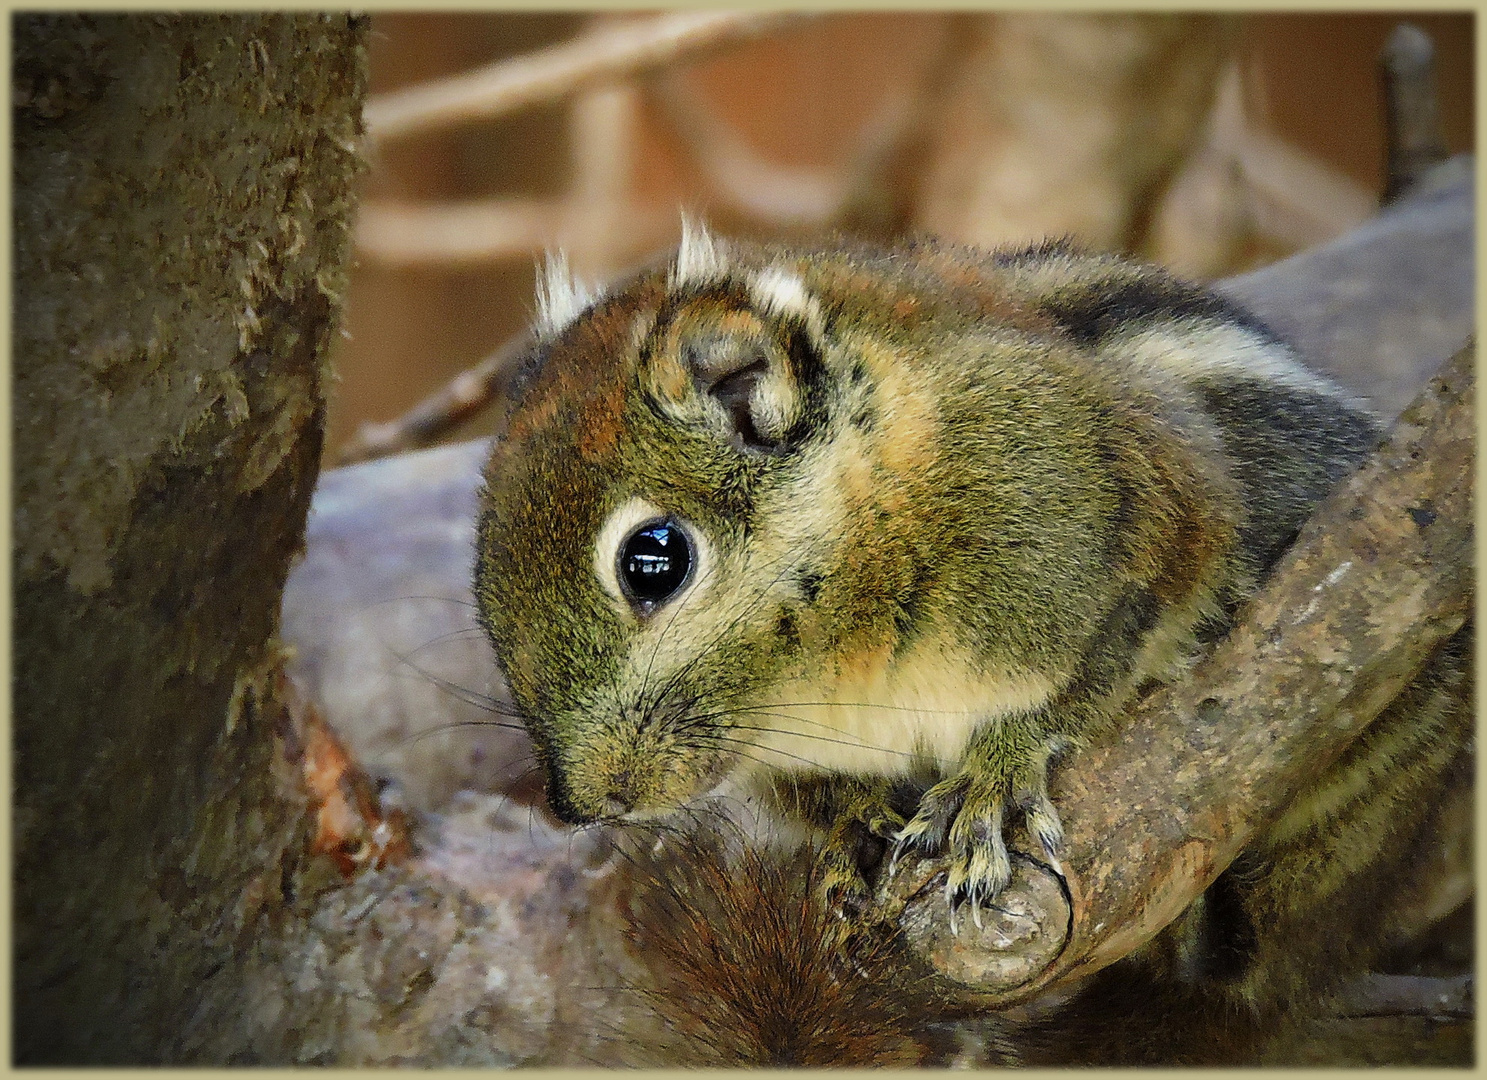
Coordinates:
(655, 561)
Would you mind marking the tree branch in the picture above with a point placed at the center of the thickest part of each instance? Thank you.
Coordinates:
(563, 70)
(456, 233)
(464, 396)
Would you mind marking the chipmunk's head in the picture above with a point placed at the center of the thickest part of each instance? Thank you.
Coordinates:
(656, 523)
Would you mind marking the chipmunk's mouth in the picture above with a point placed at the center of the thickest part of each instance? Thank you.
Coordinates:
(719, 783)
(641, 784)
(646, 814)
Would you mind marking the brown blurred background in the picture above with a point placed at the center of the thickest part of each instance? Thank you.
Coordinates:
(1211, 143)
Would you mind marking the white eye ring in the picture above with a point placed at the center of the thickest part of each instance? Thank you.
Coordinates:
(618, 529)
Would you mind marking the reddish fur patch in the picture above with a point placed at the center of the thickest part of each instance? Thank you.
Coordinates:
(963, 274)
(582, 386)
(600, 424)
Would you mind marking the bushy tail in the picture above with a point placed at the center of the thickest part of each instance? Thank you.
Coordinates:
(753, 969)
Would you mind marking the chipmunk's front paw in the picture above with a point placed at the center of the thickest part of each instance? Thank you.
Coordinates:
(842, 881)
(964, 817)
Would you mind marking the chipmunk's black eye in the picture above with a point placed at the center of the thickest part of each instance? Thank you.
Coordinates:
(655, 561)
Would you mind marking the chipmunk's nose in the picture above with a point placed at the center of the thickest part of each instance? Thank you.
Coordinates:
(614, 799)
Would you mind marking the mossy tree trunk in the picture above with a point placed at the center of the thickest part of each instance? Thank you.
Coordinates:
(182, 198)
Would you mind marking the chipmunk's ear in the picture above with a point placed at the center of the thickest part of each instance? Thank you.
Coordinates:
(744, 383)
(740, 348)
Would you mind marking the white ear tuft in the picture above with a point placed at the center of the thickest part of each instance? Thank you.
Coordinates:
(561, 298)
(701, 258)
(780, 292)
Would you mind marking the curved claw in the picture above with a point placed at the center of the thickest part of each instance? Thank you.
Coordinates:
(893, 860)
(1043, 822)
(965, 814)
(902, 843)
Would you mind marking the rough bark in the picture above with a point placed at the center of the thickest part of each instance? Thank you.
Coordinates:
(182, 195)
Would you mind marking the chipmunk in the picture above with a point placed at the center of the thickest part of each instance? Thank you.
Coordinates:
(872, 536)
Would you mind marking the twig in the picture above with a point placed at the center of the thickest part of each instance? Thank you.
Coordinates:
(555, 73)
(453, 233)
(489, 230)
(438, 414)
(792, 195)
(1379, 577)
(1291, 197)
(1448, 998)
(1413, 139)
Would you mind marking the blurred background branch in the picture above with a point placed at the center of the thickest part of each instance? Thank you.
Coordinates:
(613, 51)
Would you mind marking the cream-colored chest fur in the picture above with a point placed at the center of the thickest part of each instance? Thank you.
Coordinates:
(925, 704)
